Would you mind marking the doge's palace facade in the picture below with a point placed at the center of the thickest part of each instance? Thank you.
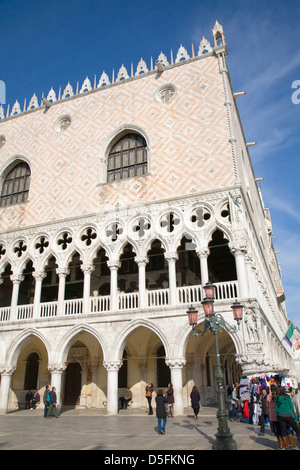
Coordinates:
(118, 201)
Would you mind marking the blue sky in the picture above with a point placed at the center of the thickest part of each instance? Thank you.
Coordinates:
(45, 44)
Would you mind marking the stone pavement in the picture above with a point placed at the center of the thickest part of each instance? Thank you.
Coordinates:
(131, 430)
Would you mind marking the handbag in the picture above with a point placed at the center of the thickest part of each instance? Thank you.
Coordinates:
(148, 394)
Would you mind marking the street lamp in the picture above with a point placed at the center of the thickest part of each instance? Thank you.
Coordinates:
(215, 322)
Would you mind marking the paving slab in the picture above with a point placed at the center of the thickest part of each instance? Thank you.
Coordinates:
(130, 431)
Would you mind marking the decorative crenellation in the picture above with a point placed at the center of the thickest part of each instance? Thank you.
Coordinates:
(123, 74)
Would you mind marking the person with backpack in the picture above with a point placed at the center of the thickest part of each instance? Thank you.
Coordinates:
(46, 400)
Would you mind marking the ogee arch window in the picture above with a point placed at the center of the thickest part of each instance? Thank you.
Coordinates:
(127, 158)
(15, 186)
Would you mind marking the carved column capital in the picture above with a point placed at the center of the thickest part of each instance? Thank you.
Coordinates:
(112, 365)
(17, 278)
(175, 362)
(203, 252)
(62, 272)
(87, 268)
(6, 369)
(57, 368)
(39, 275)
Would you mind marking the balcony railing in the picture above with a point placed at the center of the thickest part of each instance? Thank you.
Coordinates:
(126, 301)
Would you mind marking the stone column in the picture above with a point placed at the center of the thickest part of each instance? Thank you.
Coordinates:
(16, 279)
(143, 301)
(203, 255)
(176, 365)
(113, 266)
(249, 269)
(39, 276)
(62, 273)
(87, 269)
(239, 252)
(112, 368)
(57, 371)
(6, 375)
(171, 258)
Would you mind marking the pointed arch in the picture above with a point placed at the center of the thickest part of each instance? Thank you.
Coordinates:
(119, 344)
(21, 340)
(64, 346)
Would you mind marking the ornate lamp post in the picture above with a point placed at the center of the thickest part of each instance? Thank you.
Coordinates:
(215, 322)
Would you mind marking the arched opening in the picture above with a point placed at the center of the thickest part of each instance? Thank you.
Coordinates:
(73, 383)
(50, 282)
(6, 287)
(32, 372)
(74, 280)
(221, 262)
(128, 271)
(157, 276)
(100, 279)
(85, 380)
(187, 264)
(200, 367)
(163, 374)
(123, 372)
(27, 286)
(143, 362)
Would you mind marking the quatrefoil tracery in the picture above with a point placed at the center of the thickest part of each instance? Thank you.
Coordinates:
(141, 227)
(20, 248)
(65, 240)
(199, 217)
(169, 222)
(114, 232)
(89, 236)
(42, 245)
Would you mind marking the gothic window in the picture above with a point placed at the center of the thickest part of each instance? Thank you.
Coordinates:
(15, 187)
(32, 370)
(127, 158)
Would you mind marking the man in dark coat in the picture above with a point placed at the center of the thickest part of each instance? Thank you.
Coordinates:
(161, 413)
(195, 401)
(53, 410)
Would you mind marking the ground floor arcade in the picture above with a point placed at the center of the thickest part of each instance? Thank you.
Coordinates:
(91, 367)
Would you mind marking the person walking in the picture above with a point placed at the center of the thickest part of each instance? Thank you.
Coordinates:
(161, 412)
(286, 415)
(235, 402)
(149, 391)
(170, 400)
(195, 401)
